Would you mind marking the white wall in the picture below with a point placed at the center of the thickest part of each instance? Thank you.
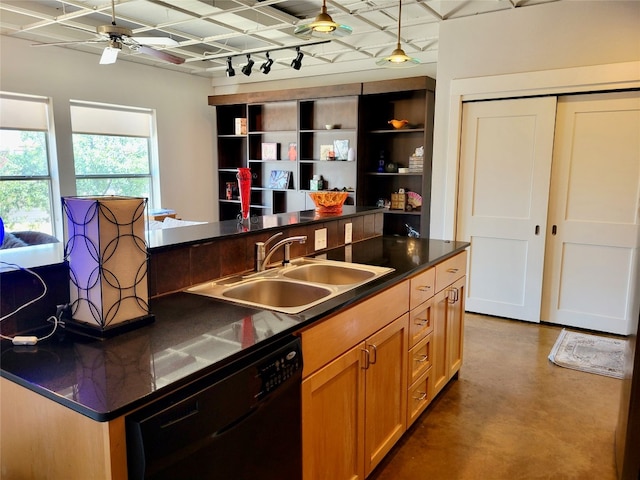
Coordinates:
(185, 121)
(545, 37)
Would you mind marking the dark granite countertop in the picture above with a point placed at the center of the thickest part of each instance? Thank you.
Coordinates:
(168, 237)
(192, 336)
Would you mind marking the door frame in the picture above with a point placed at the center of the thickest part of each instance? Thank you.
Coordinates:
(596, 78)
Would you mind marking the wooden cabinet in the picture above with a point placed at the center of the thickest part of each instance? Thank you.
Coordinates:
(448, 317)
(385, 149)
(354, 408)
(44, 439)
(354, 403)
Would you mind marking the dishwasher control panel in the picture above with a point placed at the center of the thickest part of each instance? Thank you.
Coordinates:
(278, 369)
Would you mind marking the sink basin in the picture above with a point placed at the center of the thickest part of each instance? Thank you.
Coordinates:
(293, 289)
(276, 293)
(329, 274)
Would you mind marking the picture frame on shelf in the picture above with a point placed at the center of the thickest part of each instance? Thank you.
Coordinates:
(269, 151)
(279, 179)
(327, 152)
(341, 149)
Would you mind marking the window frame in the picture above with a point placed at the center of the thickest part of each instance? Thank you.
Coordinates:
(52, 176)
(90, 126)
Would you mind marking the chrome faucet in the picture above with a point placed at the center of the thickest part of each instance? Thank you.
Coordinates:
(262, 257)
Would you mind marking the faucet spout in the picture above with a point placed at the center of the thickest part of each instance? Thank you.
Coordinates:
(263, 260)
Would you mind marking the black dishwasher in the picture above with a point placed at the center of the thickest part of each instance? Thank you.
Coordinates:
(243, 422)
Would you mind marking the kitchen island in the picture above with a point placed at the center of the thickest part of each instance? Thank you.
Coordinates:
(71, 394)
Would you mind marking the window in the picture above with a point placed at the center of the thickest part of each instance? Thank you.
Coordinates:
(26, 187)
(113, 150)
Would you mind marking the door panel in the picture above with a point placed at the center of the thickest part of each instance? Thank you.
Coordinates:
(505, 165)
(594, 207)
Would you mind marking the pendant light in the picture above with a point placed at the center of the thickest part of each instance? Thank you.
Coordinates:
(398, 59)
(323, 26)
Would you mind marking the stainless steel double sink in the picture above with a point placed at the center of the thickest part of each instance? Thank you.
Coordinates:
(293, 289)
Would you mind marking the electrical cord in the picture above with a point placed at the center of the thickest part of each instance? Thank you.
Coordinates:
(30, 339)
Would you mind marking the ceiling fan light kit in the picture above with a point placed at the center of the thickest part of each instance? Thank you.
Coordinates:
(398, 59)
(110, 53)
(322, 27)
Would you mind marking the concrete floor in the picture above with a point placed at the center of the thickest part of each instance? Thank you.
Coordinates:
(511, 414)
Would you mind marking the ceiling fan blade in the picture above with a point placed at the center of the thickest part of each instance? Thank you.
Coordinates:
(71, 42)
(157, 41)
(167, 57)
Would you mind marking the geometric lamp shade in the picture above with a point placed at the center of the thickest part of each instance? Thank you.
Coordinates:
(107, 256)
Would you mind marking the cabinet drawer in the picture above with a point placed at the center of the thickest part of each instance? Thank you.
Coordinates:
(420, 358)
(421, 322)
(324, 341)
(451, 270)
(422, 287)
(419, 397)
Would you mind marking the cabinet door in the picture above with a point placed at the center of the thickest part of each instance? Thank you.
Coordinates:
(455, 325)
(386, 390)
(439, 369)
(333, 419)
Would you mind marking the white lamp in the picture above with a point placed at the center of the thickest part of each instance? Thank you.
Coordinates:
(107, 256)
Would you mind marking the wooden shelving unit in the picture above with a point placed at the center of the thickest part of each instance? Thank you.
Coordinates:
(407, 99)
(358, 116)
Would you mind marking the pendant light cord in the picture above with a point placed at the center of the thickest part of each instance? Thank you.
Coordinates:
(399, 20)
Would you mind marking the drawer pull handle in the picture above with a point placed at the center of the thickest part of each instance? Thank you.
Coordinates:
(421, 321)
(422, 358)
(422, 396)
(452, 270)
(424, 288)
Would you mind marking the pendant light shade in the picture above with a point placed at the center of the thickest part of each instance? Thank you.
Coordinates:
(323, 26)
(398, 59)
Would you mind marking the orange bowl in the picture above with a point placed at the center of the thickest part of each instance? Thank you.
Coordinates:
(328, 202)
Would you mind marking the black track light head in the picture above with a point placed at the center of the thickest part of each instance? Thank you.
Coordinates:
(266, 66)
(247, 68)
(296, 63)
(230, 71)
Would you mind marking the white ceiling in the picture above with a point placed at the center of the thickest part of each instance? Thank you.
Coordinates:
(208, 31)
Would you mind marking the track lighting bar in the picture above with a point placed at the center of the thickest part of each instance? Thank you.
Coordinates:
(264, 50)
(265, 68)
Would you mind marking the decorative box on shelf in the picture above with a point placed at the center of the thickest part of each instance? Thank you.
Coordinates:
(415, 163)
(398, 201)
(241, 126)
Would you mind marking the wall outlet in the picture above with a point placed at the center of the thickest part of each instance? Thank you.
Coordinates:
(321, 239)
(348, 233)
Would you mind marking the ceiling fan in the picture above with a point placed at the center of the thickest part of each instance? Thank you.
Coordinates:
(117, 36)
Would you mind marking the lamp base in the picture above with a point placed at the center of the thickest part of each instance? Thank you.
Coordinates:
(93, 331)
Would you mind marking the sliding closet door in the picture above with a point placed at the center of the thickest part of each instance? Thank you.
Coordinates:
(594, 213)
(506, 150)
